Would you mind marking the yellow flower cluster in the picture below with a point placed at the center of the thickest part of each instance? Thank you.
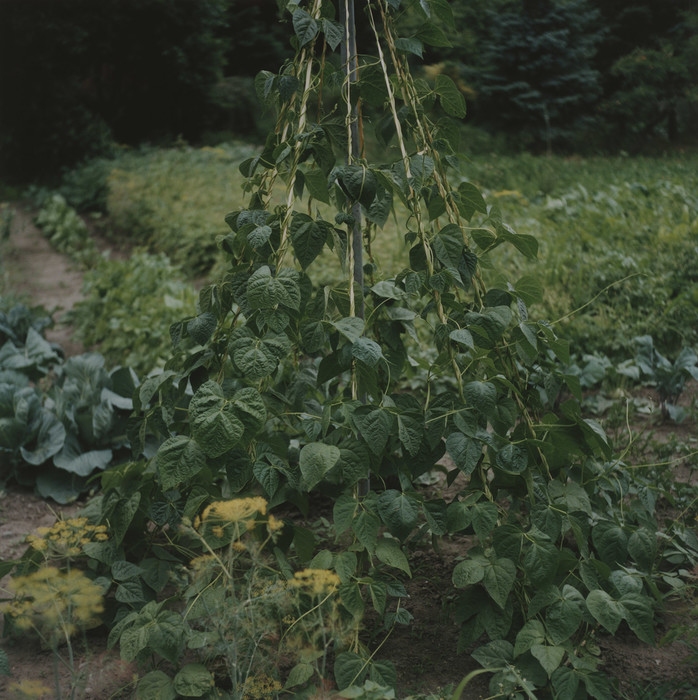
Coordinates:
(54, 600)
(259, 687)
(274, 524)
(29, 689)
(235, 510)
(66, 538)
(316, 581)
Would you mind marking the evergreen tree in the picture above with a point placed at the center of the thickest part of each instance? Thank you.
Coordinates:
(535, 76)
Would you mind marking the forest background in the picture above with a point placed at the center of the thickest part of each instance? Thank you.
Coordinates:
(587, 76)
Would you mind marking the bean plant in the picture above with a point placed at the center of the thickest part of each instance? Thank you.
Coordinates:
(296, 391)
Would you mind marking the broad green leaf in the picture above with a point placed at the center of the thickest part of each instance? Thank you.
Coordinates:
(214, 424)
(193, 681)
(642, 547)
(350, 327)
(305, 27)
(540, 561)
(483, 516)
(350, 597)
(638, 613)
(358, 182)
(72, 459)
(367, 351)
(452, 100)
(410, 45)
(512, 459)
(334, 33)
(133, 640)
(266, 292)
(316, 182)
(299, 674)
(390, 553)
(308, 237)
(435, 515)
(410, 432)
(481, 395)
(259, 236)
(464, 451)
(565, 682)
(343, 513)
(366, 526)
(562, 617)
(201, 327)
(496, 654)
(610, 541)
(47, 442)
(316, 459)
(156, 685)
(530, 289)
(469, 571)
(463, 336)
(549, 657)
(471, 197)
(349, 669)
(250, 409)
(398, 512)
(178, 460)
(168, 636)
(531, 633)
(598, 685)
(253, 358)
(499, 579)
(374, 426)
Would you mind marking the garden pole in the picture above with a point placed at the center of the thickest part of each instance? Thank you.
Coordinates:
(351, 68)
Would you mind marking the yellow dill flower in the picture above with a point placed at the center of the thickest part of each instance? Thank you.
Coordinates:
(317, 581)
(198, 563)
(238, 546)
(261, 686)
(66, 538)
(217, 531)
(28, 689)
(55, 601)
(274, 524)
(235, 510)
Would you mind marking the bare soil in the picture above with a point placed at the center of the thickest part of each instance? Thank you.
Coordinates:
(423, 652)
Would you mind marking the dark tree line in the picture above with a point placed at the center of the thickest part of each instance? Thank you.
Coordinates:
(79, 75)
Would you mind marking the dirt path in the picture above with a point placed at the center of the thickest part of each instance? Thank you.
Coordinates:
(47, 277)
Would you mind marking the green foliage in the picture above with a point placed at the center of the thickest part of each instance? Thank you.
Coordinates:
(535, 72)
(668, 377)
(57, 429)
(174, 201)
(617, 242)
(297, 385)
(66, 231)
(127, 308)
(76, 90)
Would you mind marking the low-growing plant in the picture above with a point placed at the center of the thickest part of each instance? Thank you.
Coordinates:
(669, 378)
(16, 319)
(66, 231)
(60, 421)
(252, 629)
(128, 306)
(55, 605)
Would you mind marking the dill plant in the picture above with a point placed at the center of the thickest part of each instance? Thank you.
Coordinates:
(249, 621)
